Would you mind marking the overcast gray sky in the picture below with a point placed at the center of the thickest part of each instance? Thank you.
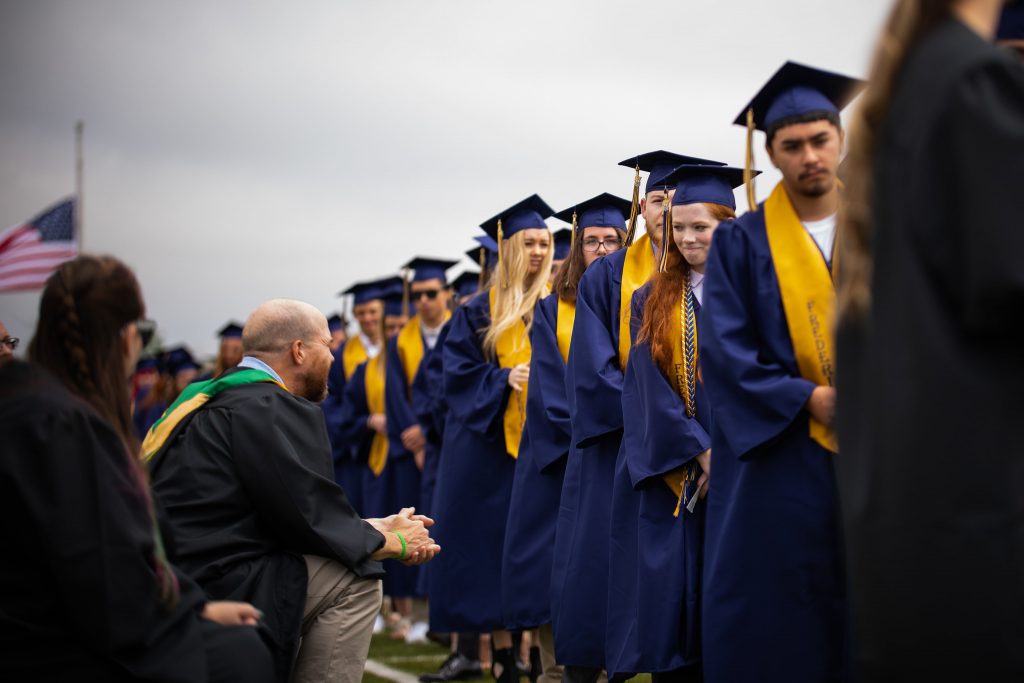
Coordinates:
(237, 151)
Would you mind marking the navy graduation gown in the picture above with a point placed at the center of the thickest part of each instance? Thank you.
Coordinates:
(655, 557)
(537, 485)
(431, 410)
(144, 418)
(773, 597)
(401, 475)
(579, 575)
(425, 396)
(474, 481)
(347, 472)
(354, 430)
(381, 494)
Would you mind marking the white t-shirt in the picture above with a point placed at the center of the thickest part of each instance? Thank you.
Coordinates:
(371, 349)
(824, 234)
(697, 286)
(430, 334)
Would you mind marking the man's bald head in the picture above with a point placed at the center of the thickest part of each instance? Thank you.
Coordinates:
(292, 338)
(275, 324)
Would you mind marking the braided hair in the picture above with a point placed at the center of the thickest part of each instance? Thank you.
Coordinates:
(86, 306)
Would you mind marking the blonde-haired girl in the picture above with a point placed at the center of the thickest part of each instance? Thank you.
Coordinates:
(486, 367)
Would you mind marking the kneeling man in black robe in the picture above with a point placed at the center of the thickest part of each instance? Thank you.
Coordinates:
(241, 469)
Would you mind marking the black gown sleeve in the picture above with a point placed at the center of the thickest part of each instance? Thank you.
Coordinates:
(982, 131)
(282, 457)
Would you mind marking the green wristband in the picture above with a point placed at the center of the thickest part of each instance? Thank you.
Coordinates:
(404, 546)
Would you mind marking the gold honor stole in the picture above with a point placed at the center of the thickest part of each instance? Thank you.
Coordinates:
(563, 332)
(353, 355)
(513, 348)
(375, 405)
(636, 270)
(808, 297)
(410, 347)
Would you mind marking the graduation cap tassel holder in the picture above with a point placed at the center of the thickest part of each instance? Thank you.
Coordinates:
(635, 209)
(748, 164)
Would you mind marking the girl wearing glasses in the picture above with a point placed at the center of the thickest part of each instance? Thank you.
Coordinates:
(599, 229)
(486, 370)
(664, 464)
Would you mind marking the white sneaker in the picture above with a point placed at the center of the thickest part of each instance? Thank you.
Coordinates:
(378, 624)
(417, 633)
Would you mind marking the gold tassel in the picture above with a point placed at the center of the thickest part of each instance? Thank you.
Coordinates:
(405, 294)
(748, 164)
(666, 232)
(634, 210)
(483, 267)
(502, 280)
(572, 237)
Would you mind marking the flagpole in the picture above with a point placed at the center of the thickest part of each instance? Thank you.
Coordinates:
(77, 214)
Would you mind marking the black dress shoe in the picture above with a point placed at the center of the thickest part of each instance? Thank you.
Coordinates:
(457, 667)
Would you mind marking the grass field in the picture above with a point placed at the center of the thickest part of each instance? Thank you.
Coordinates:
(413, 659)
(416, 659)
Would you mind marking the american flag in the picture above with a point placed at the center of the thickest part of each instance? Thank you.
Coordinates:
(31, 251)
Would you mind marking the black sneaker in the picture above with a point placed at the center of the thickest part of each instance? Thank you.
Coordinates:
(457, 667)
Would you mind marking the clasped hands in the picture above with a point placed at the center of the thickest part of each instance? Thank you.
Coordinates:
(419, 546)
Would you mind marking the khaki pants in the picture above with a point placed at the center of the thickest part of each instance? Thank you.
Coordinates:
(552, 672)
(337, 623)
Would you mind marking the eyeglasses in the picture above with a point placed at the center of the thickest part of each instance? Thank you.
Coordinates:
(609, 244)
(10, 342)
(429, 293)
(146, 328)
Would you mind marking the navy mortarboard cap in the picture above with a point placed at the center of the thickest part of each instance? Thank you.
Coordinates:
(391, 290)
(179, 358)
(603, 211)
(429, 268)
(363, 292)
(486, 254)
(487, 242)
(466, 284)
(231, 330)
(795, 90)
(706, 184)
(336, 322)
(393, 305)
(660, 163)
(563, 243)
(529, 213)
(1011, 23)
(146, 364)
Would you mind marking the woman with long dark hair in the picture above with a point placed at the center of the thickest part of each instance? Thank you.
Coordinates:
(930, 369)
(599, 226)
(87, 590)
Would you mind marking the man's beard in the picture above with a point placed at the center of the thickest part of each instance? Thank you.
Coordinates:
(816, 188)
(314, 386)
